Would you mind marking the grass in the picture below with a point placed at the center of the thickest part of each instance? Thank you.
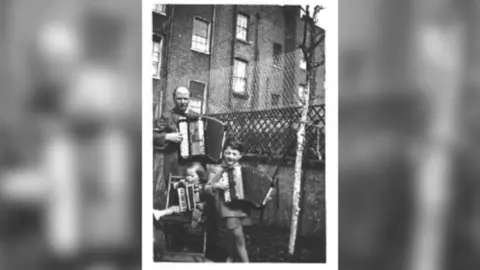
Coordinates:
(270, 244)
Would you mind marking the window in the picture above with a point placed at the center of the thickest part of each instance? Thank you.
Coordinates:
(277, 52)
(162, 9)
(156, 111)
(157, 99)
(157, 55)
(197, 90)
(195, 105)
(201, 36)
(275, 99)
(303, 63)
(240, 77)
(242, 27)
(301, 93)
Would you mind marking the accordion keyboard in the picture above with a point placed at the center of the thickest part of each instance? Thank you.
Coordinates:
(184, 145)
(182, 199)
(201, 136)
(226, 194)
(197, 193)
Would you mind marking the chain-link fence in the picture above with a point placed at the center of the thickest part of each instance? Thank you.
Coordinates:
(264, 106)
(260, 101)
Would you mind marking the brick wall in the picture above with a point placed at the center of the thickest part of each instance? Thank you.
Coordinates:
(161, 26)
(185, 64)
(274, 24)
(221, 57)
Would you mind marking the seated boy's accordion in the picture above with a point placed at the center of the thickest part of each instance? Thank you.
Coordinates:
(256, 187)
(202, 137)
(186, 196)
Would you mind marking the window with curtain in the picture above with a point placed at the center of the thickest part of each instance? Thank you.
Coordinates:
(157, 55)
(201, 36)
(197, 90)
(301, 93)
(239, 77)
(242, 27)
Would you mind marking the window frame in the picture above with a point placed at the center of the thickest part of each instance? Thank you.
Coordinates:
(159, 63)
(235, 78)
(276, 57)
(164, 12)
(157, 105)
(237, 26)
(202, 107)
(301, 99)
(303, 63)
(209, 34)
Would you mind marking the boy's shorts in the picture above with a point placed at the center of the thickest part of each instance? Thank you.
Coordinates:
(232, 223)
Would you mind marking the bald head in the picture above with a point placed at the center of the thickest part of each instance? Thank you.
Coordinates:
(181, 97)
(181, 90)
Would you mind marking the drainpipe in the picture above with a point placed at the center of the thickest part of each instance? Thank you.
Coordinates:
(256, 81)
(207, 101)
(234, 36)
(170, 31)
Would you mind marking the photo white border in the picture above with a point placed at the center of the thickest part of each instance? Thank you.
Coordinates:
(330, 14)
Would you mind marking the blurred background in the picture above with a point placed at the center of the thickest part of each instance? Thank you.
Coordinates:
(70, 147)
(408, 134)
(70, 127)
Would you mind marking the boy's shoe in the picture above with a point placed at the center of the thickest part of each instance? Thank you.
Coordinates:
(229, 260)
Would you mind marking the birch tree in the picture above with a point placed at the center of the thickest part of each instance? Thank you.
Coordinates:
(433, 197)
(312, 38)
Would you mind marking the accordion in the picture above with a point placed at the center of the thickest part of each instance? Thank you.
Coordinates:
(185, 195)
(253, 191)
(202, 138)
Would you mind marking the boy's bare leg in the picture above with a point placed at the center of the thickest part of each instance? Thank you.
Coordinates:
(232, 223)
(231, 247)
(240, 244)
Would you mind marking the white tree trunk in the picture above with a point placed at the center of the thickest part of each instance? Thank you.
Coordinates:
(441, 81)
(297, 186)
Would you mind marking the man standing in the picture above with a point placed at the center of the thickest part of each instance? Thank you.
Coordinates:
(167, 137)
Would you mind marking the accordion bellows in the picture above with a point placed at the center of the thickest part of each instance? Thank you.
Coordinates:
(256, 185)
(203, 137)
(186, 196)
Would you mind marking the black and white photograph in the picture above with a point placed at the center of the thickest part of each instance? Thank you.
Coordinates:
(238, 132)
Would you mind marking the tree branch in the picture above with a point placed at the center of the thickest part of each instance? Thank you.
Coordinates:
(316, 11)
(303, 46)
(314, 45)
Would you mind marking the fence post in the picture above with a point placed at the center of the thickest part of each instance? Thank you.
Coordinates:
(297, 186)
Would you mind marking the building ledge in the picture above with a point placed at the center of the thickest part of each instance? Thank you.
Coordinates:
(159, 13)
(240, 95)
(197, 51)
(245, 42)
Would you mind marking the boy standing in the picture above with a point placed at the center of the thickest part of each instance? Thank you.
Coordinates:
(235, 217)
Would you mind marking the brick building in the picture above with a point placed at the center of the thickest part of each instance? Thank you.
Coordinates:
(232, 57)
